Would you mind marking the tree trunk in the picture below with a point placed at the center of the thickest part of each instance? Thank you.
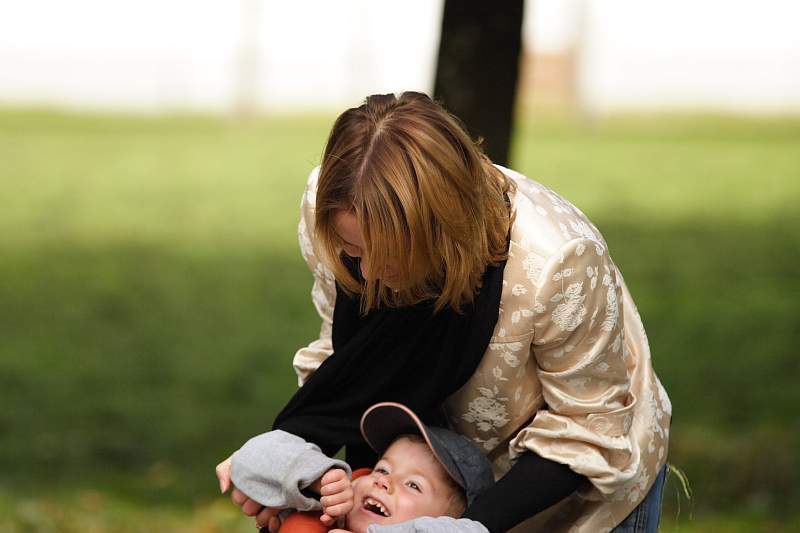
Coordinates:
(478, 67)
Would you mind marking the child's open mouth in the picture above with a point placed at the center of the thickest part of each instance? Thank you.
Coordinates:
(374, 506)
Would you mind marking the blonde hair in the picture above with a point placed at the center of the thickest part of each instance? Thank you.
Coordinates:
(431, 206)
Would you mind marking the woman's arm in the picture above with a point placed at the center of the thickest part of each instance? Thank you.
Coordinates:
(582, 364)
(582, 431)
(323, 293)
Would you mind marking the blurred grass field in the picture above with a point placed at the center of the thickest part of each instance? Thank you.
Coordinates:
(152, 295)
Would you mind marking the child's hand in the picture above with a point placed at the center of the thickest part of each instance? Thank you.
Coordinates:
(336, 490)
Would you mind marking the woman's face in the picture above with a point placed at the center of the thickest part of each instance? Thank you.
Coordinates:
(349, 230)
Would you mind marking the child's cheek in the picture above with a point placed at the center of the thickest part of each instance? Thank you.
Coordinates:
(360, 486)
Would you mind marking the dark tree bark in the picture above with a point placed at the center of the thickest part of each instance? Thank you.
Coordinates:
(478, 67)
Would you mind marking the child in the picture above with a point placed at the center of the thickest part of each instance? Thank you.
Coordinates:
(423, 472)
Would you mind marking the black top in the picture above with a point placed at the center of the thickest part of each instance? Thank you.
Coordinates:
(410, 355)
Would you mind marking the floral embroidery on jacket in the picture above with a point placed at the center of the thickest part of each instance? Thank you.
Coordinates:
(487, 411)
(569, 314)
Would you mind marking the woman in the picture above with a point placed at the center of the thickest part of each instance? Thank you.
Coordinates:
(445, 281)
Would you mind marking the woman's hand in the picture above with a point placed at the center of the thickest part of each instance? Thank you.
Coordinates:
(265, 516)
(336, 491)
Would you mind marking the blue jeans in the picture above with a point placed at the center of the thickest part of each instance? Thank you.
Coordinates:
(644, 519)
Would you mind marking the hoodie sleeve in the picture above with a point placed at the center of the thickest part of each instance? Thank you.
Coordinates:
(275, 467)
(426, 524)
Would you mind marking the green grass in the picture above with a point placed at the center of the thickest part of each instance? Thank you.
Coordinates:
(88, 510)
(152, 296)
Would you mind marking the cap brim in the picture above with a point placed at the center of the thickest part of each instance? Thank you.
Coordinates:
(382, 423)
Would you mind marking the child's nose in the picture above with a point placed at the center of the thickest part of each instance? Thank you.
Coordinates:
(384, 482)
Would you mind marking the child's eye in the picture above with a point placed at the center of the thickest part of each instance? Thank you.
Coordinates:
(380, 470)
(414, 486)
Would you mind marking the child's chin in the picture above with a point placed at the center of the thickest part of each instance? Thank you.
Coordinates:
(355, 526)
(358, 524)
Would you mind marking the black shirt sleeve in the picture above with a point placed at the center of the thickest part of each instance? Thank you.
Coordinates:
(532, 485)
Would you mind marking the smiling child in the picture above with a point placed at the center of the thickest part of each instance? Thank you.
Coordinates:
(425, 478)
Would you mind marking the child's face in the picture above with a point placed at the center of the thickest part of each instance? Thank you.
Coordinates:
(406, 483)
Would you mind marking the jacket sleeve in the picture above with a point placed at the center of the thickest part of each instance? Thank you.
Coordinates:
(273, 469)
(323, 293)
(426, 524)
(581, 359)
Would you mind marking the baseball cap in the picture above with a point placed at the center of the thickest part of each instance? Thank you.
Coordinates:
(382, 423)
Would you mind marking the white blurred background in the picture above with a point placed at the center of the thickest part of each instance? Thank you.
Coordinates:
(598, 55)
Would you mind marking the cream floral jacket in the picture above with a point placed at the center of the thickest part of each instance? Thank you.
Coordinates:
(567, 373)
